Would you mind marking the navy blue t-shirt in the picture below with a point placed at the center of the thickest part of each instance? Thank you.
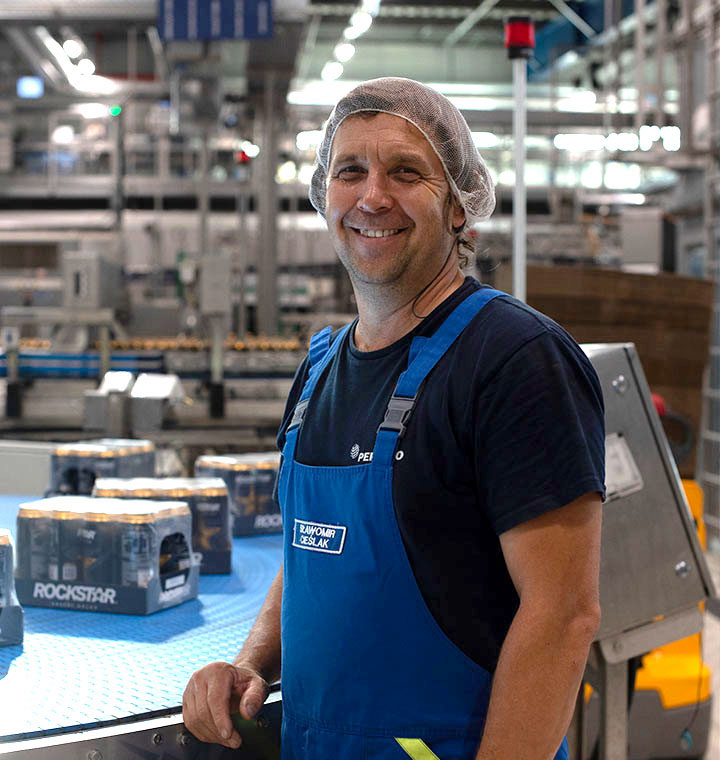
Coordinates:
(508, 425)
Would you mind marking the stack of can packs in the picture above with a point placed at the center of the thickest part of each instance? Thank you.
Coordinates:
(250, 480)
(110, 555)
(11, 614)
(74, 467)
(208, 502)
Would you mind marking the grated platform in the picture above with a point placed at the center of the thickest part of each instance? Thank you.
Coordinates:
(81, 670)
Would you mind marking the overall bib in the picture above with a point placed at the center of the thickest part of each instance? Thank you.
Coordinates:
(367, 673)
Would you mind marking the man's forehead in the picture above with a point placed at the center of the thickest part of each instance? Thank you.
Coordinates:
(366, 125)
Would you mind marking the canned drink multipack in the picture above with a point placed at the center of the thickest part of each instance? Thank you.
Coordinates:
(140, 453)
(11, 614)
(250, 480)
(113, 555)
(74, 467)
(208, 502)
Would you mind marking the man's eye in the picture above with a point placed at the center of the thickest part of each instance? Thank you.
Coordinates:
(405, 173)
(348, 172)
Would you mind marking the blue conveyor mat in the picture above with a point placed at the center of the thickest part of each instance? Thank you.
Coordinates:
(89, 669)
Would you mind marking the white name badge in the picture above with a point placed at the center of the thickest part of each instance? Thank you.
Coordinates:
(319, 537)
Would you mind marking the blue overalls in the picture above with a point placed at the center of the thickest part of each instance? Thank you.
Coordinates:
(367, 673)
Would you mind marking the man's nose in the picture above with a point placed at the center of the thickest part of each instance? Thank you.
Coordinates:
(375, 195)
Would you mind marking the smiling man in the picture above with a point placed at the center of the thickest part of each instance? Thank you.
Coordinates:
(441, 483)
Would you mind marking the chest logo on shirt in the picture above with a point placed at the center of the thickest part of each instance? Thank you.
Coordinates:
(319, 537)
(361, 456)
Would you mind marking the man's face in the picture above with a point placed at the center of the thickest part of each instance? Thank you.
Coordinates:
(388, 206)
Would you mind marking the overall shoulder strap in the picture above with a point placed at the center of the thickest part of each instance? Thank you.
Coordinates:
(319, 345)
(320, 355)
(421, 363)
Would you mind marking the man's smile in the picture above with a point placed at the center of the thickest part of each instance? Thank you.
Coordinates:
(370, 233)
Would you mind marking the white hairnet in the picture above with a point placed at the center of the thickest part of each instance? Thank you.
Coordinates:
(437, 118)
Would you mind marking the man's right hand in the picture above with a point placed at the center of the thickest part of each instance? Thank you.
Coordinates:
(214, 692)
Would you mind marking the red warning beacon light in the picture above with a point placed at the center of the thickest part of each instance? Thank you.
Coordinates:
(519, 37)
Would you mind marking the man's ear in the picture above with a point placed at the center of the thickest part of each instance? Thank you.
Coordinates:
(456, 213)
(459, 217)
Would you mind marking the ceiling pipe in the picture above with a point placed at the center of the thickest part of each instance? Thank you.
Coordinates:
(577, 21)
(39, 63)
(469, 22)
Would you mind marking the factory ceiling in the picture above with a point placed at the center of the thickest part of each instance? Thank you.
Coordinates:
(460, 41)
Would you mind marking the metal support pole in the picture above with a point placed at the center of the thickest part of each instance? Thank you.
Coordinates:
(13, 364)
(118, 169)
(519, 260)
(613, 710)
(204, 197)
(242, 251)
(616, 54)
(132, 53)
(217, 348)
(13, 388)
(640, 63)
(660, 48)
(104, 349)
(686, 74)
(267, 253)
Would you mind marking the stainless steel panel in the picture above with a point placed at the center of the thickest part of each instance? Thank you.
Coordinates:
(652, 564)
(25, 467)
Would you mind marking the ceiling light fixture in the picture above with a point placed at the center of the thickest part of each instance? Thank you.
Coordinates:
(361, 20)
(86, 67)
(93, 110)
(72, 48)
(370, 6)
(332, 70)
(344, 51)
(63, 134)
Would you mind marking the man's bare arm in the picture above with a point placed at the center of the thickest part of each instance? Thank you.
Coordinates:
(261, 650)
(220, 688)
(554, 562)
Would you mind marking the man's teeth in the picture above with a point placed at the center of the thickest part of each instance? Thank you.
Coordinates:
(378, 233)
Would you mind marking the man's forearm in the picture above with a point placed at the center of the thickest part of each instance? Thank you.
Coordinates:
(535, 685)
(261, 650)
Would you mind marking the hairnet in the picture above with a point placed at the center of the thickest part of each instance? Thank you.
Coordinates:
(439, 121)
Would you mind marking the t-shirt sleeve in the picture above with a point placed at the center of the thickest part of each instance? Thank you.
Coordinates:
(539, 432)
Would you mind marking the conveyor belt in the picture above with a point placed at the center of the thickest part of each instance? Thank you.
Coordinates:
(71, 365)
(87, 669)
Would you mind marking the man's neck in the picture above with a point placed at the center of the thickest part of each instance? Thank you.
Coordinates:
(382, 321)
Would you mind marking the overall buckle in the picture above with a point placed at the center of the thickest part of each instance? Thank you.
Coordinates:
(397, 414)
(299, 413)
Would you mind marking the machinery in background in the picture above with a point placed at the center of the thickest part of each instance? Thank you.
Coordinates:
(153, 400)
(161, 738)
(653, 575)
(107, 409)
(92, 296)
(215, 305)
(123, 405)
(671, 690)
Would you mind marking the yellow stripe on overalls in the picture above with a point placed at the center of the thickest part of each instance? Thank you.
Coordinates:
(417, 749)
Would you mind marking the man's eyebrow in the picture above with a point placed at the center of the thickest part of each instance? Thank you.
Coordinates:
(343, 158)
(395, 158)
